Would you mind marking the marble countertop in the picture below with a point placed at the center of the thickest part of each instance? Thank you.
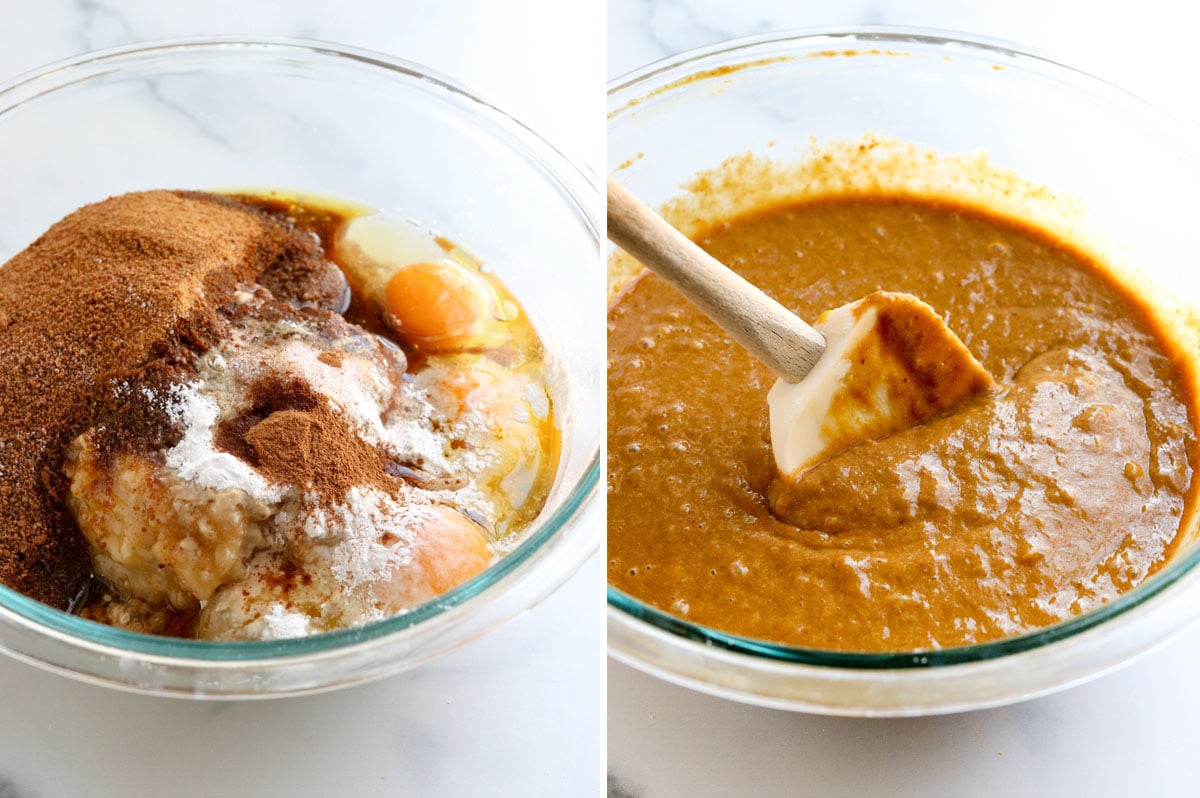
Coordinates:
(516, 713)
(1125, 733)
(1147, 49)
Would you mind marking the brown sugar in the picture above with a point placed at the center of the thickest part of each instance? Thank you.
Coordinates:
(115, 288)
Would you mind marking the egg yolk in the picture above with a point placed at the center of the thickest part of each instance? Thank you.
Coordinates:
(454, 550)
(435, 303)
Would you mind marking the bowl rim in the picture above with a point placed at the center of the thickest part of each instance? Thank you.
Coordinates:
(627, 614)
(894, 34)
(574, 182)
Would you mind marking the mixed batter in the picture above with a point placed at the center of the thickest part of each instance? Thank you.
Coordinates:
(1056, 491)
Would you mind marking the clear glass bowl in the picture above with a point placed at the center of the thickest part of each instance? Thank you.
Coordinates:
(1135, 169)
(325, 120)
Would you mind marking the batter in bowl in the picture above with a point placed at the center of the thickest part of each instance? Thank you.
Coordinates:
(1060, 489)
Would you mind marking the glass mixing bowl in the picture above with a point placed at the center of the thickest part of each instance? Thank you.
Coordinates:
(1133, 168)
(329, 121)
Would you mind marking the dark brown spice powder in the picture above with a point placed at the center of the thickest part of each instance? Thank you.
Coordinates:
(101, 295)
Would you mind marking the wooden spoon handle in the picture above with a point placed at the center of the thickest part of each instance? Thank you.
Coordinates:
(768, 330)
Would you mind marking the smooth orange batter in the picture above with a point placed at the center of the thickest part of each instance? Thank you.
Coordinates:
(1055, 491)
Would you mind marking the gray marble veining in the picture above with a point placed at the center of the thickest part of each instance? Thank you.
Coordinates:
(616, 788)
(10, 789)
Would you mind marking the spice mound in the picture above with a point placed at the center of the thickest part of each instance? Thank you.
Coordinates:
(254, 418)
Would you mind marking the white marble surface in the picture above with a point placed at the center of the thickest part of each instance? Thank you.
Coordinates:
(517, 713)
(1146, 48)
(1131, 732)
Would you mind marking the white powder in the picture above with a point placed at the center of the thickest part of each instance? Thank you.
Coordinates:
(360, 388)
(408, 434)
(280, 624)
(196, 459)
(470, 497)
(415, 441)
(357, 387)
(472, 427)
(361, 524)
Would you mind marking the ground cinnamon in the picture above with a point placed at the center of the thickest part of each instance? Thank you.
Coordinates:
(292, 436)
